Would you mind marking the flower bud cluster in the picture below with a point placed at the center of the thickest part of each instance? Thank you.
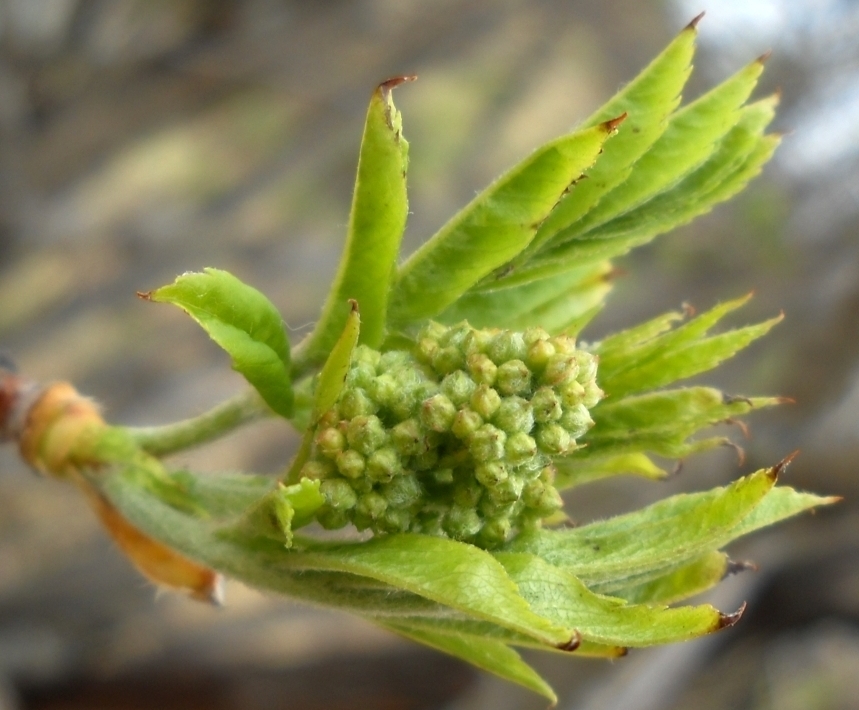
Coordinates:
(456, 437)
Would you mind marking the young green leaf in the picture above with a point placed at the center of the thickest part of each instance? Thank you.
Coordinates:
(681, 583)
(493, 228)
(675, 355)
(376, 224)
(244, 323)
(555, 593)
(572, 472)
(487, 654)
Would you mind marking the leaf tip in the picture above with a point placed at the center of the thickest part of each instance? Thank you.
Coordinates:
(728, 620)
(764, 57)
(611, 125)
(736, 566)
(144, 295)
(693, 25)
(571, 645)
(353, 306)
(214, 592)
(777, 470)
(389, 84)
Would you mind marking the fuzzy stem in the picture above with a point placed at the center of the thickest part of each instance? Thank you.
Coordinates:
(218, 421)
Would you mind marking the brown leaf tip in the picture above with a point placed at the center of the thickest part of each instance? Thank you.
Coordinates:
(736, 566)
(392, 83)
(572, 644)
(353, 305)
(695, 20)
(144, 295)
(611, 125)
(728, 620)
(777, 470)
(763, 58)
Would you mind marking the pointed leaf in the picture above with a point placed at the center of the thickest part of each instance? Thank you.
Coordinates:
(496, 226)
(489, 655)
(333, 375)
(376, 224)
(681, 583)
(573, 472)
(557, 594)
(244, 323)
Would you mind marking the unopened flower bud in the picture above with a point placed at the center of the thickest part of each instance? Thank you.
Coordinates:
(317, 469)
(513, 377)
(495, 531)
(520, 447)
(458, 387)
(409, 438)
(371, 505)
(489, 475)
(546, 405)
(487, 444)
(403, 491)
(366, 433)
(355, 403)
(330, 442)
(539, 355)
(483, 370)
(485, 401)
(437, 413)
(465, 423)
(553, 439)
(593, 394)
(587, 367)
(560, 369)
(383, 464)
(505, 346)
(338, 494)
(462, 523)
(350, 463)
(447, 359)
(576, 420)
(514, 414)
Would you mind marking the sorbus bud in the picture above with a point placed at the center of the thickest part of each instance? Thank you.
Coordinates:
(513, 377)
(437, 413)
(366, 433)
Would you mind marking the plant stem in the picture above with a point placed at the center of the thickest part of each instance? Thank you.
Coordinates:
(220, 420)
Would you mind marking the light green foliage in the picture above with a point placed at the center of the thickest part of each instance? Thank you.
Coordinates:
(244, 323)
(450, 438)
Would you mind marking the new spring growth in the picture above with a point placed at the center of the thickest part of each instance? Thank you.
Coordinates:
(455, 437)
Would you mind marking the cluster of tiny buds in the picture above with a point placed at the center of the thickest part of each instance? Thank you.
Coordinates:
(455, 437)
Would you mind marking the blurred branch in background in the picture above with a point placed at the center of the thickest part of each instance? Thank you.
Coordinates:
(143, 138)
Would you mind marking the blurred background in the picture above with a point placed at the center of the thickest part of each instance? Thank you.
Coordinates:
(143, 138)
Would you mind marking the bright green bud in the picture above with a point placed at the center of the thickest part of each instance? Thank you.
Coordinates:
(467, 493)
(409, 437)
(383, 464)
(514, 414)
(366, 354)
(385, 390)
(477, 341)
(361, 374)
(330, 442)
(437, 413)
(448, 359)
(433, 331)
(576, 420)
(394, 521)
(317, 470)
(520, 447)
(332, 519)
(350, 463)
(443, 476)
(465, 423)
(371, 505)
(489, 475)
(572, 393)
(482, 369)
(593, 394)
(403, 491)
(487, 444)
(366, 433)
(508, 491)
(427, 460)
(553, 439)
(513, 377)
(355, 403)
(430, 524)
(542, 498)
(461, 523)
(546, 405)
(534, 335)
(393, 360)
(539, 354)
(565, 344)
(485, 401)
(458, 387)
(425, 350)
(560, 369)
(587, 367)
(505, 346)
(338, 494)
(495, 531)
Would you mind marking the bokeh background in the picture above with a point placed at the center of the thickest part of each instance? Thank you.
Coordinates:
(143, 138)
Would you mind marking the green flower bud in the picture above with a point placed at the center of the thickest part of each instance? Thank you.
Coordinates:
(427, 460)
(565, 344)
(429, 524)
(505, 346)
(330, 442)
(366, 433)
(394, 360)
(447, 359)
(485, 401)
(534, 335)
(356, 403)
(514, 414)
(495, 532)
(383, 464)
(587, 366)
(408, 437)
(433, 331)
(403, 491)
(350, 463)
(425, 350)
(483, 370)
(361, 374)
(560, 369)
(443, 476)
(465, 423)
(477, 341)
(489, 475)
(394, 521)
(338, 494)
(466, 492)
(553, 439)
(508, 491)
(593, 394)
(491, 508)
(520, 447)
(542, 498)
(572, 393)
(576, 420)
(513, 377)
(458, 387)
(317, 470)
(332, 519)
(371, 505)
(546, 404)
(366, 355)
(385, 390)
(539, 354)
(487, 444)
(461, 523)
(437, 413)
